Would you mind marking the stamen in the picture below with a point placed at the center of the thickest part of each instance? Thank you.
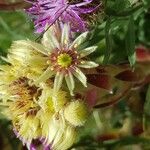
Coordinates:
(32, 112)
(23, 90)
(64, 60)
(48, 62)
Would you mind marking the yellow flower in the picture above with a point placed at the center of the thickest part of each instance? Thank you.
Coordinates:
(66, 57)
(51, 102)
(28, 126)
(8, 74)
(76, 113)
(21, 99)
(59, 118)
(55, 129)
(57, 56)
(37, 113)
(25, 60)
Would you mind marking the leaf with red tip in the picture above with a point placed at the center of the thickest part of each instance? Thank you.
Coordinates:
(128, 75)
(100, 80)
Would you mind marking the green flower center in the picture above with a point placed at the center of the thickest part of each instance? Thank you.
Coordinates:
(64, 60)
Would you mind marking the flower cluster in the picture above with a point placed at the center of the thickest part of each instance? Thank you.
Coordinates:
(31, 83)
(38, 115)
(32, 92)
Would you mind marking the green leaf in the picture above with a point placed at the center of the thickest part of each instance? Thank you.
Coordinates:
(122, 8)
(116, 7)
(13, 26)
(109, 41)
(130, 42)
(147, 3)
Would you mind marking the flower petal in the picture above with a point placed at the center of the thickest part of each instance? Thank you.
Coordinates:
(88, 64)
(87, 51)
(82, 3)
(85, 10)
(74, 17)
(38, 47)
(69, 138)
(80, 39)
(58, 81)
(52, 131)
(49, 39)
(47, 74)
(65, 35)
(60, 133)
(70, 82)
(79, 74)
(37, 61)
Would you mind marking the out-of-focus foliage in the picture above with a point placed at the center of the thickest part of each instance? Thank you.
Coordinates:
(13, 26)
(122, 105)
(7, 137)
(125, 25)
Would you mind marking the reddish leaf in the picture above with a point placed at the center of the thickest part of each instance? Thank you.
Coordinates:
(100, 80)
(137, 129)
(111, 84)
(128, 75)
(91, 97)
(143, 82)
(142, 54)
(108, 136)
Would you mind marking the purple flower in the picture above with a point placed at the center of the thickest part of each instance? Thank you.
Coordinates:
(46, 12)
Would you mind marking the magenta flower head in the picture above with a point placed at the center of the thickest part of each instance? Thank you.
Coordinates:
(46, 12)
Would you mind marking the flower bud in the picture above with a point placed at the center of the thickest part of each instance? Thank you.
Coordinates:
(76, 113)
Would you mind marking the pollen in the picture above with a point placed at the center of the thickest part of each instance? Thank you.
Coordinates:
(64, 60)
